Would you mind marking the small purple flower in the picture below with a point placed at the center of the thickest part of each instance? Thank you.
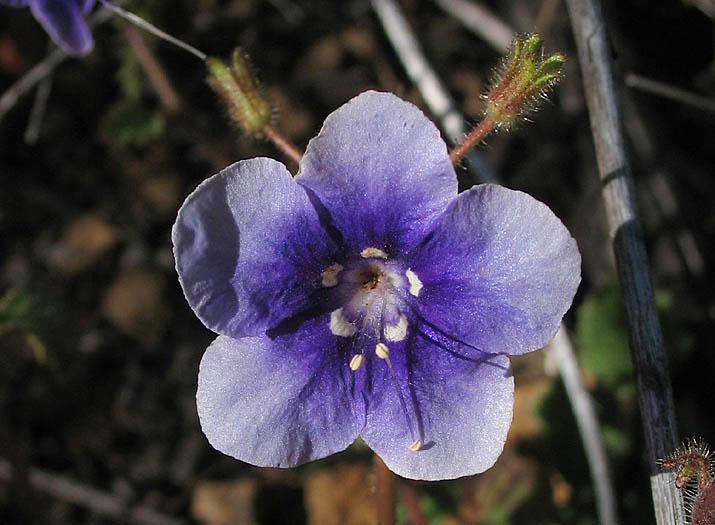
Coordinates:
(63, 20)
(365, 298)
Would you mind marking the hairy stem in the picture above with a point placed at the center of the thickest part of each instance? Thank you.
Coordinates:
(471, 140)
(283, 144)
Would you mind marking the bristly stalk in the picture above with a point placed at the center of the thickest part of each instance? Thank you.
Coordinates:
(519, 85)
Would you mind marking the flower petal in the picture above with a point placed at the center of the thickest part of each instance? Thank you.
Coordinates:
(277, 403)
(249, 248)
(460, 408)
(86, 6)
(382, 171)
(499, 271)
(64, 23)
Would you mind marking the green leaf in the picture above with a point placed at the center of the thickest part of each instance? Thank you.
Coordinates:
(603, 338)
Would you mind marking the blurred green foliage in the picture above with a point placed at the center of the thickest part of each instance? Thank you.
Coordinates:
(602, 337)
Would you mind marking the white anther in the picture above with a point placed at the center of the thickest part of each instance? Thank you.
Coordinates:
(397, 332)
(373, 252)
(330, 275)
(339, 326)
(416, 445)
(415, 283)
(382, 351)
(356, 362)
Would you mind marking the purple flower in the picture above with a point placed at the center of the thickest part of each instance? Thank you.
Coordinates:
(365, 298)
(63, 20)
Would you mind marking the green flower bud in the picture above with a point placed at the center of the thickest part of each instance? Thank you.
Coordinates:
(239, 92)
(524, 78)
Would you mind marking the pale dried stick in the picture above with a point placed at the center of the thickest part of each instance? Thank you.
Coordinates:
(646, 341)
(671, 92)
(434, 94)
(588, 427)
(12, 94)
(71, 491)
(481, 21)
(151, 28)
(34, 125)
(407, 49)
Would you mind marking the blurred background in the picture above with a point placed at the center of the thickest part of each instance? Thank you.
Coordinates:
(99, 351)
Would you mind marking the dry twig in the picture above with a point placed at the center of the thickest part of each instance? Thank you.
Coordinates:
(98, 501)
(646, 342)
(588, 427)
(670, 92)
(481, 21)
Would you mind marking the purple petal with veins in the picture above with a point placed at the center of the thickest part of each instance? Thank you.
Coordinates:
(365, 298)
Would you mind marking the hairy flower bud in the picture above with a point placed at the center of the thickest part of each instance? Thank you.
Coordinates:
(236, 86)
(523, 79)
(694, 460)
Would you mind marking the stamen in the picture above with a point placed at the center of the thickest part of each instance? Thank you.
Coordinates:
(330, 275)
(373, 252)
(356, 362)
(339, 326)
(415, 283)
(398, 331)
(383, 353)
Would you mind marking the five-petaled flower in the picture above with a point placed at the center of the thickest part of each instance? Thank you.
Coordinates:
(365, 298)
(63, 20)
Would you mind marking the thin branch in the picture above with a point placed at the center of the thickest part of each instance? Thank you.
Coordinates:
(646, 342)
(412, 501)
(587, 422)
(670, 92)
(162, 85)
(283, 144)
(140, 22)
(384, 493)
(37, 114)
(480, 20)
(428, 83)
(66, 489)
(12, 94)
